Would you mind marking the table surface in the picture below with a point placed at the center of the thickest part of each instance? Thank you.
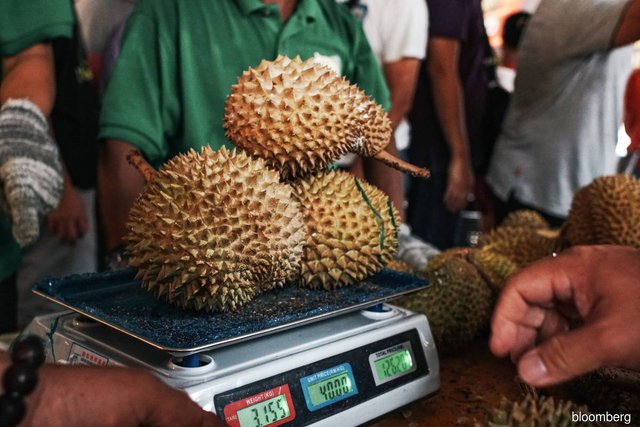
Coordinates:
(470, 385)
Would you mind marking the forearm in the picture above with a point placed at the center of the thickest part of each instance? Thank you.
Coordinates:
(449, 105)
(30, 74)
(442, 67)
(401, 77)
(119, 184)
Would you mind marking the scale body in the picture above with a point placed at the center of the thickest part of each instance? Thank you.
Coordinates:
(340, 371)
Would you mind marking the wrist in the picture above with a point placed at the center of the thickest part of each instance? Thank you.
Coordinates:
(19, 379)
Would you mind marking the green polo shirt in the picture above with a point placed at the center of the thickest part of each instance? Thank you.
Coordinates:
(180, 58)
(24, 23)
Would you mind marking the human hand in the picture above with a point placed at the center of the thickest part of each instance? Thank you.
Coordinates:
(565, 316)
(460, 181)
(75, 396)
(68, 222)
(30, 169)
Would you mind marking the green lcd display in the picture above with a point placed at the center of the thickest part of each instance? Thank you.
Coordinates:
(328, 386)
(392, 362)
(330, 389)
(264, 413)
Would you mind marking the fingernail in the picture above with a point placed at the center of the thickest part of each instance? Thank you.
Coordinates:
(532, 369)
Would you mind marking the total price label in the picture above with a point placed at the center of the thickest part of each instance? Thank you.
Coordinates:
(268, 408)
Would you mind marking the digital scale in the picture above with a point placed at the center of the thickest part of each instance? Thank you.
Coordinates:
(342, 358)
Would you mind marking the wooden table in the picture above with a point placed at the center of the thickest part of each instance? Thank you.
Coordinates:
(470, 385)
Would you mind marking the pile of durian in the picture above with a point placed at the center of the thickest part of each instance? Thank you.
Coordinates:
(465, 282)
(213, 230)
(535, 410)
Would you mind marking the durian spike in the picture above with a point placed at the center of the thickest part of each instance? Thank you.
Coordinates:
(136, 160)
(388, 159)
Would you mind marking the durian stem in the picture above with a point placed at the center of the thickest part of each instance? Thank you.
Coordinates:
(136, 160)
(401, 165)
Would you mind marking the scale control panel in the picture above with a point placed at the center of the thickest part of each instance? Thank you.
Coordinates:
(318, 390)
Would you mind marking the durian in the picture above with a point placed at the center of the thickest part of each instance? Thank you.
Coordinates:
(539, 411)
(494, 267)
(616, 390)
(458, 303)
(525, 218)
(607, 211)
(351, 229)
(301, 116)
(214, 229)
(522, 245)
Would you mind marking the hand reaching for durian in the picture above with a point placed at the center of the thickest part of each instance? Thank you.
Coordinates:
(568, 315)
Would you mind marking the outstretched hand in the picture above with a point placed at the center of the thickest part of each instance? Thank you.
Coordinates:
(565, 316)
(74, 396)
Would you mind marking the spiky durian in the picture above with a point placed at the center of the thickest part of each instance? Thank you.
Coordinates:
(301, 116)
(458, 302)
(351, 229)
(607, 211)
(521, 245)
(494, 267)
(614, 390)
(525, 218)
(214, 229)
(538, 411)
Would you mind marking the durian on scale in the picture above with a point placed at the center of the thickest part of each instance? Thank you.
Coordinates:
(301, 116)
(212, 230)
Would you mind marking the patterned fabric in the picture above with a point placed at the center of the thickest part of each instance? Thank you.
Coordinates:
(30, 169)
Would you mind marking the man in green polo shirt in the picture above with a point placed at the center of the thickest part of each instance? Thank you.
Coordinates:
(30, 170)
(178, 62)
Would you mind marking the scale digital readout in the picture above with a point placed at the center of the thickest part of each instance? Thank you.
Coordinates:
(392, 363)
(328, 386)
(268, 408)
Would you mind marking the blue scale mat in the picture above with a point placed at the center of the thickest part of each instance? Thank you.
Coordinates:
(117, 300)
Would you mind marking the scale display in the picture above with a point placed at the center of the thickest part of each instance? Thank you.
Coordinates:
(392, 362)
(328, 386)
(269, 408)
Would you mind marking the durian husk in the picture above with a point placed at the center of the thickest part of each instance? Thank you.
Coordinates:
(214, 229)
(616, 390)
(458, 302)
(607, 211)
(494, 267)
(522, 245)
(351, 229)
(537, 411)
(525, 218)
(300, 116)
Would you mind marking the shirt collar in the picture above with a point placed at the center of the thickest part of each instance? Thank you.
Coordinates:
(308, 9)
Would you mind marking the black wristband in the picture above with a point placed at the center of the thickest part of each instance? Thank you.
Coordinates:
(20, 379)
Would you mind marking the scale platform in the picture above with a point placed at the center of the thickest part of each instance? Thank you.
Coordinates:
(316, 358)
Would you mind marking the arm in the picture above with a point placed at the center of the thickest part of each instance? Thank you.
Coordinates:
(442, 66)
(29, 74)
(80, 396)
(68, 222)
(565, 316)
(119, 184)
